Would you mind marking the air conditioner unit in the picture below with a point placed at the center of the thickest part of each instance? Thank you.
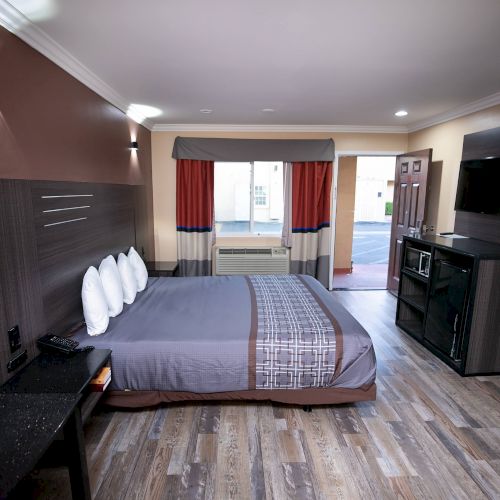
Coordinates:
(251, 260)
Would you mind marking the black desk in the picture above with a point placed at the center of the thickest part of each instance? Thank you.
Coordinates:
(54, 376)
(58, 373)
(29, 423)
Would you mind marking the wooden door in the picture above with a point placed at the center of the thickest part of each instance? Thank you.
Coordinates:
(410, 187)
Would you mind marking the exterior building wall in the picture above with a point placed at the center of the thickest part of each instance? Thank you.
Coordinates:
(232, 191)
(374, 187)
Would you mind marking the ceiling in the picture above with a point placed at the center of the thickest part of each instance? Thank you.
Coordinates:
(316, 62)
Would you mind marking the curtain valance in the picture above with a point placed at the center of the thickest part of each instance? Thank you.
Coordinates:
(195, 148)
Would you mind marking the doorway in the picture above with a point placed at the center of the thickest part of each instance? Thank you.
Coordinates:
(365, 189)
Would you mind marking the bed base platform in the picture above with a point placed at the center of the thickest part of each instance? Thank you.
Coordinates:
(304, 397)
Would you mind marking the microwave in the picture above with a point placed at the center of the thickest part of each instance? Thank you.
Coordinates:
(418, 261)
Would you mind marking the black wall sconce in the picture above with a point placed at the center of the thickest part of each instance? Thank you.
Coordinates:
(134, 145)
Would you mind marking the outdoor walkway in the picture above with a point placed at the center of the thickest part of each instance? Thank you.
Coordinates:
(370, 256)
(370, 243)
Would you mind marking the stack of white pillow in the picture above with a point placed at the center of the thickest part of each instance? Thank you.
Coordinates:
(105, 291)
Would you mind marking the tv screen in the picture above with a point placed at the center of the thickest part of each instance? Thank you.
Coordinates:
(479, 186)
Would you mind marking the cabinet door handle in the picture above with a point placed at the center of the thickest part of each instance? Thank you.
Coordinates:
(452, 352)
(455, 324)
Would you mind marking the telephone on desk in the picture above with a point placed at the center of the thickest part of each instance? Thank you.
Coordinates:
(61, 345)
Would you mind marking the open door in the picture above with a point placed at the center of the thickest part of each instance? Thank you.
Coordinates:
(410, 188)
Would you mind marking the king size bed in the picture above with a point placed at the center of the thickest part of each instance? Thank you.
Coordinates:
(281, 338)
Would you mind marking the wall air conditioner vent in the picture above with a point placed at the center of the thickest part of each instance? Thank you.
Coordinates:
(251, 260)
(245, 251)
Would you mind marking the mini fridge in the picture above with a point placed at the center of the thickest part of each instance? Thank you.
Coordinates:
(447, 308)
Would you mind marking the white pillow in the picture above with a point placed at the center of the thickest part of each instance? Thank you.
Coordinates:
(95, 307)
(112, 285)
(140, 271)
(129, 284)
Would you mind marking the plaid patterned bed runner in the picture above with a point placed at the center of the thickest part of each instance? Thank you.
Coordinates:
(292, 337)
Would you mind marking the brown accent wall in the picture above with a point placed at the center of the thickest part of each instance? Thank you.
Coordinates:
(52, 127)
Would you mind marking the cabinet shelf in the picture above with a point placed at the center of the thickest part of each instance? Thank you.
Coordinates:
(89, 403)
(416, 301)
(413, 274)
(410, 319)
(413, 327)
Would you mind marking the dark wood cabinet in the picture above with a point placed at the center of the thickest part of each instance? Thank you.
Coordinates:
(449, 300)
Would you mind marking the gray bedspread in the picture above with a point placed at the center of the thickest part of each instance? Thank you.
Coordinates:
(217, 334)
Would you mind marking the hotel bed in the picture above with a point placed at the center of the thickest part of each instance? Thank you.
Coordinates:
(282, 338)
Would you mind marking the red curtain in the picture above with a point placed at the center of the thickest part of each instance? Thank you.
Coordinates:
(195, 195)
(311, 185)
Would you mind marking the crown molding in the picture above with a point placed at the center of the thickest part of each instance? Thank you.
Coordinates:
(18, 24)
(465, 109)
(205, 127)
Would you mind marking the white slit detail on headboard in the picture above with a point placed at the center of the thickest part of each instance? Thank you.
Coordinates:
(67, 196)
(62, 209)
(64, 222)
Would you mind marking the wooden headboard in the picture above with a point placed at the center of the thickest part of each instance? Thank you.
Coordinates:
(50, 233)
(76, 226)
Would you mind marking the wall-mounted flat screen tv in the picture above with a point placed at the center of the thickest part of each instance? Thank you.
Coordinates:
(479, 186)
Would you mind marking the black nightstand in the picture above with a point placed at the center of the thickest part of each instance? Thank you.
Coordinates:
(162, 268)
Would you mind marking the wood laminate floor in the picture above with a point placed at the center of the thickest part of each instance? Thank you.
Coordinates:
(430, 434)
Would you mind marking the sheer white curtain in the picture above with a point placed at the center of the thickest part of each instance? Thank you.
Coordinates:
(286, 236)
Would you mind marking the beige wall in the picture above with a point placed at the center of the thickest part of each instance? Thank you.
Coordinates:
(446, 140)
(344, 224)
(164, 176)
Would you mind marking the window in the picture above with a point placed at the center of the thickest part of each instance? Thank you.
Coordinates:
(260, 196)
(248, 198)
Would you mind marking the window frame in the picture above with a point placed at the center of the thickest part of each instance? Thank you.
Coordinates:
(251, 223)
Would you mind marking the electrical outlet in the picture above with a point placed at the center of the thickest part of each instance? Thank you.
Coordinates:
(14, 338)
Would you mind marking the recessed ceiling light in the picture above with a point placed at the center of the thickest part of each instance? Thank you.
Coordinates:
(401, 112)
(268, 110)
(139, 112)
(206, 111)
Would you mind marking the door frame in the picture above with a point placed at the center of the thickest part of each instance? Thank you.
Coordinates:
(333, 210)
